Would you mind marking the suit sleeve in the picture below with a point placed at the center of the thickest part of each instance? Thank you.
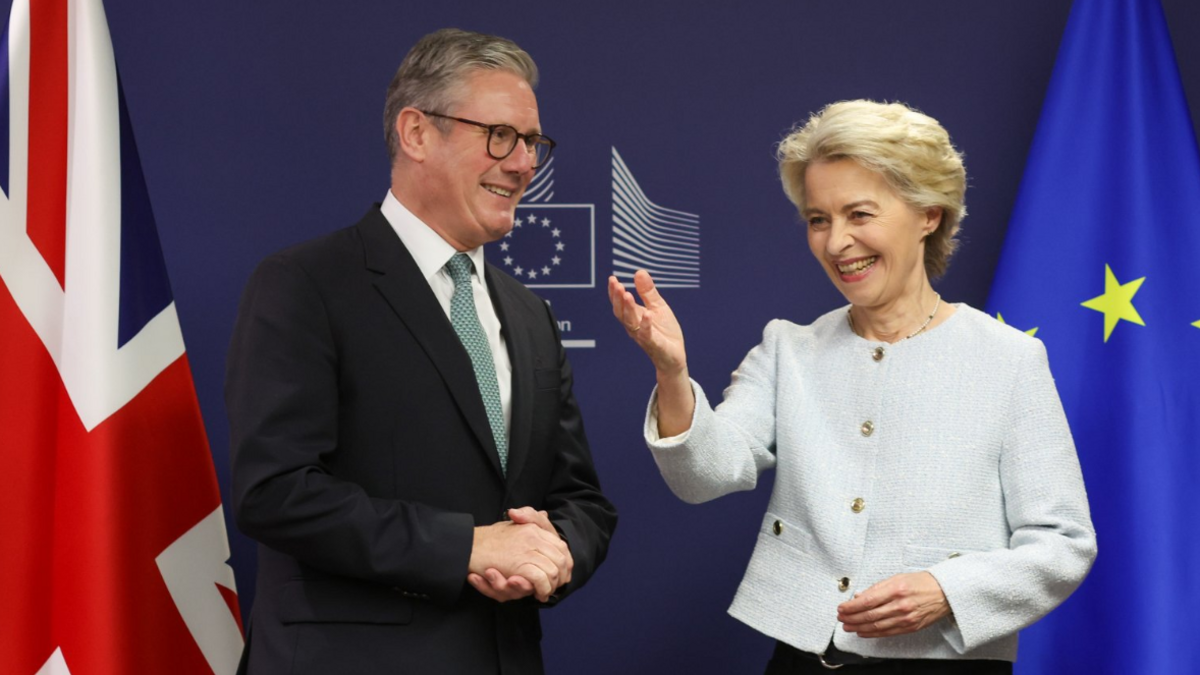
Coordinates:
(281, 393)
(723, 450)
(581, 513)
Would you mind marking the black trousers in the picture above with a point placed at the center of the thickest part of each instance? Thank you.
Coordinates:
(787, 660)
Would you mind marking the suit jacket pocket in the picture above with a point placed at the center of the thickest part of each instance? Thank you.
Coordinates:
(919, 558)
(343, 601)
(776, 528)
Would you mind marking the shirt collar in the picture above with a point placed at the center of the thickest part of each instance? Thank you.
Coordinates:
(427, 247)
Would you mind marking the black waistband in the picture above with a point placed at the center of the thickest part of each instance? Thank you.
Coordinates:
(789, 657)
(832, 656)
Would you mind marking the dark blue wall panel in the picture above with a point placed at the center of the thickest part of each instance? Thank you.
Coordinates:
(259, 125)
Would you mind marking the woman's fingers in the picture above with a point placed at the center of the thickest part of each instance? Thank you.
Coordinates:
(615, 291)
(634, 314)
(904, 603)
(644, 283)
(651, 324)
(625, 307)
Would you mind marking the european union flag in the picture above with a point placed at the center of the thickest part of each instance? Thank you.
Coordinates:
(550, 246)
(1099, 259)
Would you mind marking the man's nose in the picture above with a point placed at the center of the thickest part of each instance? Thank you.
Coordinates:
(520, 160)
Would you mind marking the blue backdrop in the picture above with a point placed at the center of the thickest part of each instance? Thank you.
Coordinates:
(259, 126)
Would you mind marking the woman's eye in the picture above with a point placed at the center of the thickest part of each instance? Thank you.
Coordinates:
(818, 223)
(860, 215)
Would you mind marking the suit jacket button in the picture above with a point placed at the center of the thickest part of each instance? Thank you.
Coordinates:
(844, 584)
(867, 428)
(858, 505)
(777, 528)
(878, 354)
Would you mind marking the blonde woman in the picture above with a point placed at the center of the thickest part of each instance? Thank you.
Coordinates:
(928, 502)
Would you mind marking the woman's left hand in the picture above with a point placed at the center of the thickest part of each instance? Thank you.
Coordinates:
(905, 603)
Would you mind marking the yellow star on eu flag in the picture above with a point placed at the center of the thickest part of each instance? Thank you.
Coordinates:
(1117, 302)
(1031, 332)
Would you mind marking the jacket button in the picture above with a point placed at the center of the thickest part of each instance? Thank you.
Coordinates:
(877, 354)
(843, 584)
(867, 428)
(858, 505)
(777, 528)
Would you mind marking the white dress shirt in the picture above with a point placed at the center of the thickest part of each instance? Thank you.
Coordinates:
(431, 253)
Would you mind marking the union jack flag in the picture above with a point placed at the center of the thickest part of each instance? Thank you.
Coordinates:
(113, 547)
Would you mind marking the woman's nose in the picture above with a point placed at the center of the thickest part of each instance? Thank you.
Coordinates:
(840, 237)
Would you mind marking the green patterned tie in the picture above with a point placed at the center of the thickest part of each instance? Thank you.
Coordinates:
(470, 333)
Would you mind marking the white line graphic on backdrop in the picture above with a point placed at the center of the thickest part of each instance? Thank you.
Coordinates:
(541, 188)
(662, 241)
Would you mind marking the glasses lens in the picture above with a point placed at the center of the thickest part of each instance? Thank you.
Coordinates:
(541, 151)
(501, 141)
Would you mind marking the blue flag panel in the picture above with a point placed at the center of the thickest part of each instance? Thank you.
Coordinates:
(1098, 260)
(550, 246)
(145, 287)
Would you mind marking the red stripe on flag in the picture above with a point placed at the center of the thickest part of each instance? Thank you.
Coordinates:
(230, 597)
(30, 396)
(91, 512)
(47, 214)
(126, 491)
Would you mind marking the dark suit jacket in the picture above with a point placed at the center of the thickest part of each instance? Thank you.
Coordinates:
(363, 459)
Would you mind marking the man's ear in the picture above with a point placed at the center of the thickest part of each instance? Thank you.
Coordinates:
(413, 131)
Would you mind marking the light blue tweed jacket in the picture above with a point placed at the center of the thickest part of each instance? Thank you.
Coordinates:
(948, 452)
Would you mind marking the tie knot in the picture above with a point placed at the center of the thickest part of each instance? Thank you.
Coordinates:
(460, 269)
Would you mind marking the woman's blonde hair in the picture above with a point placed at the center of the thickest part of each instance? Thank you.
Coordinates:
(909, 149)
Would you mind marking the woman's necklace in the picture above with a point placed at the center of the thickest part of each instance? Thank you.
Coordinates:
(916, 332)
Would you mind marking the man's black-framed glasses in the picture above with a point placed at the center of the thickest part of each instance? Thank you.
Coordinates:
(502, 140)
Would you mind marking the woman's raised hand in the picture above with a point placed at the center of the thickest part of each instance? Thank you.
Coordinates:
(652, 324)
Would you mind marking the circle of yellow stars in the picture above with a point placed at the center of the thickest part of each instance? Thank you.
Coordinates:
(1116, 304)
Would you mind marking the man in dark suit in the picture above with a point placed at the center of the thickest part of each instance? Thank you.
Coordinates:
(406, 445)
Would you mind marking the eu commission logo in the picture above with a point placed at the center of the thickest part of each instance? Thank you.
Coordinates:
(553, 246)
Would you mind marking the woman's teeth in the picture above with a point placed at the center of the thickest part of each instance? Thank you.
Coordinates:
(857, 266)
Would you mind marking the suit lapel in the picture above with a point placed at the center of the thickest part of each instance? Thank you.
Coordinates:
(519, 354)
(401, 284)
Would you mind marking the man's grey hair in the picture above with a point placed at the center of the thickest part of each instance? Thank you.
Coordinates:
(432, 74)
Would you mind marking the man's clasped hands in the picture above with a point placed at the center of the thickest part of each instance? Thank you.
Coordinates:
(519, 557)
